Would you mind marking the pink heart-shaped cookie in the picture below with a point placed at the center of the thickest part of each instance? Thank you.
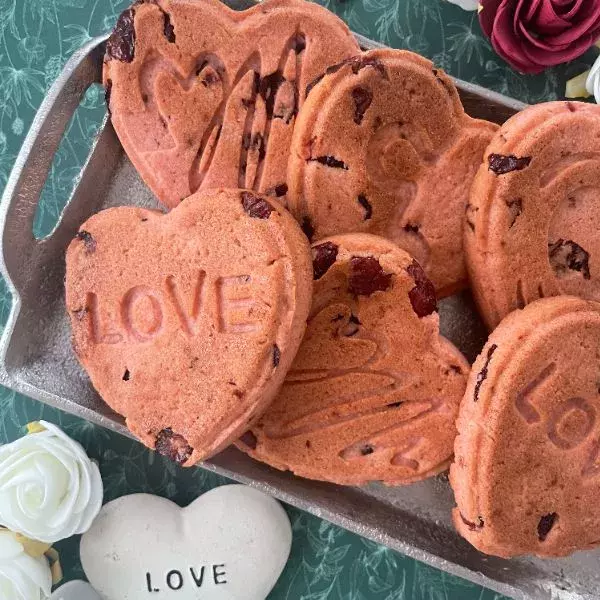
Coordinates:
(187, 322)
(203, 96)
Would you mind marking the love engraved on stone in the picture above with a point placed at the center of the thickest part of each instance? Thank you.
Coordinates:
(196, 577)
(143, 312)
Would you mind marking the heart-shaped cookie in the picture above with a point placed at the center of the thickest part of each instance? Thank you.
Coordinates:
(527, 470)
(203, 96)
(231, 544)
(75, 590)
(532, 221)
(374, 390)
(187, 322)
(383, 146)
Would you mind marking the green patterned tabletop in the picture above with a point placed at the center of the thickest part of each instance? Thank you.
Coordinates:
(36, 37)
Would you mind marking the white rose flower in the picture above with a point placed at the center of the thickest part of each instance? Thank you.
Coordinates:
(22, 577)
(592, 83)
(466, 4)
(49, 488)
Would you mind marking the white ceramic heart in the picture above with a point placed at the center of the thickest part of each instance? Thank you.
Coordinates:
(75, 590)
(231, 543)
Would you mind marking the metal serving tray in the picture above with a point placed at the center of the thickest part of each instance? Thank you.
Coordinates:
(36, 358)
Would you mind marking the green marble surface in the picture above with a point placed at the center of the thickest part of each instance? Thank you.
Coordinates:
(36, 37)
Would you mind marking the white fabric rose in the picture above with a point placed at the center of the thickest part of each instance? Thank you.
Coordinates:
(22, 577)
(466, 4)
(49, 488)
(592, 83)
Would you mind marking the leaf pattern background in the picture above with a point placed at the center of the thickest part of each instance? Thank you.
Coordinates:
(36, 37)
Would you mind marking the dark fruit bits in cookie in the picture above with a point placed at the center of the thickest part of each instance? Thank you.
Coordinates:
(362, 98)
(422, 296)
(330, 161)
(482, 375)
(255, 206)
(126, 375)
(107, 93)
(367, 276)
(362, 200)
(567, 255)
(276, 355)
(410, 228)
(502, 164)
(88, 241)
(515, 208)
(308, 228)
(173, 446)
(324, 255)
(121, 43)
(168, 28)
(366, 450)
(472, 526)
(249, 440)
(279, 190)
(545, 525)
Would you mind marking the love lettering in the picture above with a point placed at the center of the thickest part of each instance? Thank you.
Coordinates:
(194, 577)
(143, 312)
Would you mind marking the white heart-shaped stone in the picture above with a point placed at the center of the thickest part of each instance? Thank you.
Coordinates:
(75, 590)
(231, 543)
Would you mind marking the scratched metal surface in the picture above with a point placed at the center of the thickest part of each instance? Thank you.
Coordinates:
(36, 358)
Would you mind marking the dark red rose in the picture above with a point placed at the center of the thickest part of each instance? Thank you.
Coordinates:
(533, 35)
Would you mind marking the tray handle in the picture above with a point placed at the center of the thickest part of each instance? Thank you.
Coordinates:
(26, 182)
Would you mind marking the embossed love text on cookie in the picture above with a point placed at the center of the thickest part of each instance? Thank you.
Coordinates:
(187, 322)
(202, 96)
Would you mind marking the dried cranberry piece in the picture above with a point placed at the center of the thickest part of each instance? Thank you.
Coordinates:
(168, 28)
(472, 526)
(367, 276)
(308, 228)
(127, 375)
(410, 228)
(172, 445)
(279, 190)
(255, 206)
(267, 88)
(545, 524)
(330, 161)
(502, 164)
(121, 43)
(482, 375)
(366, 450)
(88, 241)
(276, 355)
(362, 200)
(515, 208)
(566, 254)
(362, 62)
(107, 93)
(249, 439)
(422, 296)
(324, 255)
(362, 98)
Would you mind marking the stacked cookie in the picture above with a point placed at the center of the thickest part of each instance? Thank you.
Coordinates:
(266, 130)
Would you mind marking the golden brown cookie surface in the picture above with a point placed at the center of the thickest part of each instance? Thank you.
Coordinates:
(532, 221)
(374, 390)
(526, 475)
(383, 146)
(203, 96)
(188, 322)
